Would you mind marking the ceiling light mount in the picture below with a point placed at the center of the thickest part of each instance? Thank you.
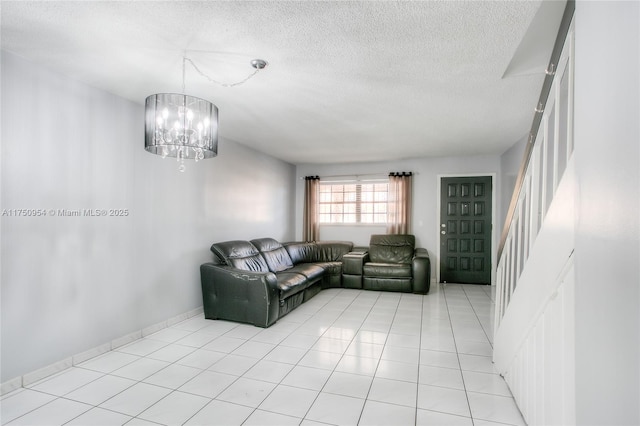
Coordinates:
(259, 64)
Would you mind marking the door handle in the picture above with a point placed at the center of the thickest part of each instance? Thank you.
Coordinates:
(443, 232)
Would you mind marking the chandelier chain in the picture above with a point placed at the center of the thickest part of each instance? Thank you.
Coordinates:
(212, 80)
(184, 66)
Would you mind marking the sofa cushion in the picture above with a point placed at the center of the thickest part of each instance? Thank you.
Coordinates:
(391, 248)
(241, 255)
(274, 254)
(332, 268)
(312, 271)
(387, 270)
(290, 283)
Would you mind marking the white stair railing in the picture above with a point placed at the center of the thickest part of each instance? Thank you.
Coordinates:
(534, 330)
(548, 152)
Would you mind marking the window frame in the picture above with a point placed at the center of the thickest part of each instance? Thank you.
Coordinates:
(333, 211)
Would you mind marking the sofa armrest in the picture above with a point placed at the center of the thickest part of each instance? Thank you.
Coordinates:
(353, 262)
(236, 295)
(352, 266)
(421, 268)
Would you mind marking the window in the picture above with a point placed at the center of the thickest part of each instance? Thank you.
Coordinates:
(353, 202)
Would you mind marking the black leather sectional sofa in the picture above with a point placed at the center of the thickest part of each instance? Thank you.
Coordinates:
(261, 280)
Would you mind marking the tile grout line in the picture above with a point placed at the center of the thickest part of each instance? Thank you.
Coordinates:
(335, 318)
(419, 358)
(307, 351)
(103, 374)
(366, 398)
(477, 317)
(134, 417)
(279, 383)
(238, 377)
(455, 344)
(342, 355)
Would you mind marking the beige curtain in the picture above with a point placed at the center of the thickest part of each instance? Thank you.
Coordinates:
(399, 204)
(311, 231)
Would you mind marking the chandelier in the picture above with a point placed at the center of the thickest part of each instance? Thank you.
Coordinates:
(183, 126)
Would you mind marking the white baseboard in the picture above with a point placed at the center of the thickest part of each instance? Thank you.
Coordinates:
(178, 318)
(56, 367)
(154, 328)
(91, 353)
(47, 371)
(11, 385)
(125, 340)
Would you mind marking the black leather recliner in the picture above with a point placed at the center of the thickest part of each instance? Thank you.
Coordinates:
(394, 264)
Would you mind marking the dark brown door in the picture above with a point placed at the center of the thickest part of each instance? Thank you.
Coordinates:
(465, 230)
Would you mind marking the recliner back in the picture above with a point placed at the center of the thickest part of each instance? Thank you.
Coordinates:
(274, 254)
(320, 251)
(392, 248)
(241, 255)
(302, 252)
(332, 251)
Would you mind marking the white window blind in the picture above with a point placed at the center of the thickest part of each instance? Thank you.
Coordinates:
(353, 202)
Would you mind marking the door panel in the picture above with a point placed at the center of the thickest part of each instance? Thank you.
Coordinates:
(465, 230)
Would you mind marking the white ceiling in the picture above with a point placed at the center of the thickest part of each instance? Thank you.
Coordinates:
(346, 81)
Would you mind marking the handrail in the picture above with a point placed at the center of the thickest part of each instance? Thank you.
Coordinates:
(537, 118)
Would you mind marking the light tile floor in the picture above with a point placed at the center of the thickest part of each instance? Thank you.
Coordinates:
(346, 357)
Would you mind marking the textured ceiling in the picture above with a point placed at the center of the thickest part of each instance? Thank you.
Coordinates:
(346, 81)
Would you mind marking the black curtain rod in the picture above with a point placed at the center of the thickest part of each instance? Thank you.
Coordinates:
(356, 176)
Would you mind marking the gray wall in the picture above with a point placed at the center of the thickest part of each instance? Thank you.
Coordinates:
(607, 252)
(425, 194)
(72, 283)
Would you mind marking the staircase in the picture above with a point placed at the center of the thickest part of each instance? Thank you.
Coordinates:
(534, 316)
